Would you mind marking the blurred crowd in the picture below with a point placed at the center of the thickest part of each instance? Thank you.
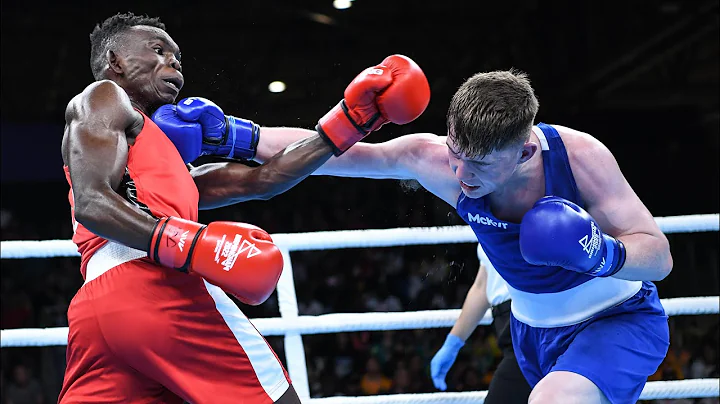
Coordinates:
(36, 293)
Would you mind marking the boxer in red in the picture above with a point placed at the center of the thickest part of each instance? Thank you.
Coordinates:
(152, 323)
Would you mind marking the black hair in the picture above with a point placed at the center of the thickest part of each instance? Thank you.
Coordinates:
(106, 32)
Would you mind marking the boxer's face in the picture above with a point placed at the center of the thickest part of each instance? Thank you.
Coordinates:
(148, 63)
(479, 176)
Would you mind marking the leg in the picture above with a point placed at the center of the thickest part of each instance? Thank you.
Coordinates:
(508, 385)
(566, 388)
(199, 345)
(616, 353)
(93, 374)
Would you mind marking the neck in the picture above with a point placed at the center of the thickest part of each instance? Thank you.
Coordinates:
(137, 105)
(526, 175)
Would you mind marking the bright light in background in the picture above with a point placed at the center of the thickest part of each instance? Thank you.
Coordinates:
(276, 87)
(342, 4)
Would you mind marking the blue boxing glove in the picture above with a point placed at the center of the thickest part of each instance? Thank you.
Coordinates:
(186, 136)
(221, 135)
(557, 232)
(443, 360)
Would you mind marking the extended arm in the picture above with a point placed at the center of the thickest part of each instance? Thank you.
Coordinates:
(420, 156)
(95, 150)
(395, 91)
(223, 184)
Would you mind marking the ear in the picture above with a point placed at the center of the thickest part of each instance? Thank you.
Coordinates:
(528, 150)
(114, 62)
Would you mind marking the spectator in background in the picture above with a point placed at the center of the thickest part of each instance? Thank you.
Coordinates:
(374, 381)
(705, 364)
(24, 389)
(675, 364)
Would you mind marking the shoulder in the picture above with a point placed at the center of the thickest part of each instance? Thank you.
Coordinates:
(593, 165)
(583, 149)
(425, 146)
(103, 101)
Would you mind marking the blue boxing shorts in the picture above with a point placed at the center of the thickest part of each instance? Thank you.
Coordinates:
(617, 349)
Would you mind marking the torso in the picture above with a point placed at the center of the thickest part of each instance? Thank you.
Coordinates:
(156, 181)
(539, 293)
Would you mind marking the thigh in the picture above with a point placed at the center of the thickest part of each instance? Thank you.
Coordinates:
(94, 374)
(204, 350)
(561, 387)
(508, 385)
(530, 349)
(618, 353)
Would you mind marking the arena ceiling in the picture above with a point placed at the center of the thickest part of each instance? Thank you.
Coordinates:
(580, 54)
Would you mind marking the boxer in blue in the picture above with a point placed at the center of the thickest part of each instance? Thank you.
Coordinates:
(559, 222)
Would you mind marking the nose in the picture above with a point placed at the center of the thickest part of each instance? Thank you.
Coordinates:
(461, 171)
(175, 64)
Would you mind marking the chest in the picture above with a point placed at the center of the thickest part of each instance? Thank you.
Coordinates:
(514, 201)
(511, 208)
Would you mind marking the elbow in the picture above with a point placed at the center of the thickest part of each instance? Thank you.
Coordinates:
(665, 263)
(85, 210)
(89, 206)
(267, 194)
(665, 267)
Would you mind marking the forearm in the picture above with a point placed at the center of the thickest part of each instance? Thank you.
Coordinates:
(473, 310)
(647, 258)
(287, 168)
(227, 183)
(109, 216)
(388, 160)
(274, 140)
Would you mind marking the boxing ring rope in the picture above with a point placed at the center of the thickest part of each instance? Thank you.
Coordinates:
(329, 240)
(293, 326)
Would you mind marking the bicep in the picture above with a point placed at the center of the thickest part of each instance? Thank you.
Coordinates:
(609, 198)
(96, 157)
(96, 148)
(420, 156)
(428, 163)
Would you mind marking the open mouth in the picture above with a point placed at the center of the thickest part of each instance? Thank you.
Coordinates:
(175, 84)
(468, 187)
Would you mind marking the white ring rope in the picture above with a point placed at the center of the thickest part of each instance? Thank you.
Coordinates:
(349, 322)
(328, 240)
(293, 326)
(695, 388)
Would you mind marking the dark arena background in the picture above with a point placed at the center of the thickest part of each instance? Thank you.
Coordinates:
(641, 76)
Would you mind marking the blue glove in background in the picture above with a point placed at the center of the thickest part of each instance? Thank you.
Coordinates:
(444, 359)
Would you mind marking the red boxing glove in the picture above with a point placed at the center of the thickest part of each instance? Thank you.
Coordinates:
(237, 257)
(395, 91)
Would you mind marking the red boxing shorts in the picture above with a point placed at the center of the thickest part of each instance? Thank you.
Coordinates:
(140, 333)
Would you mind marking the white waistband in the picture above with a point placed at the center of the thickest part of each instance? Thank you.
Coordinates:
(571, 306)
(109, 256)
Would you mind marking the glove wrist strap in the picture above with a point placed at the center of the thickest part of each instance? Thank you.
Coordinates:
(172, 242)
(339, 129)
(242, 136)
(238, 141)
(613, 260)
